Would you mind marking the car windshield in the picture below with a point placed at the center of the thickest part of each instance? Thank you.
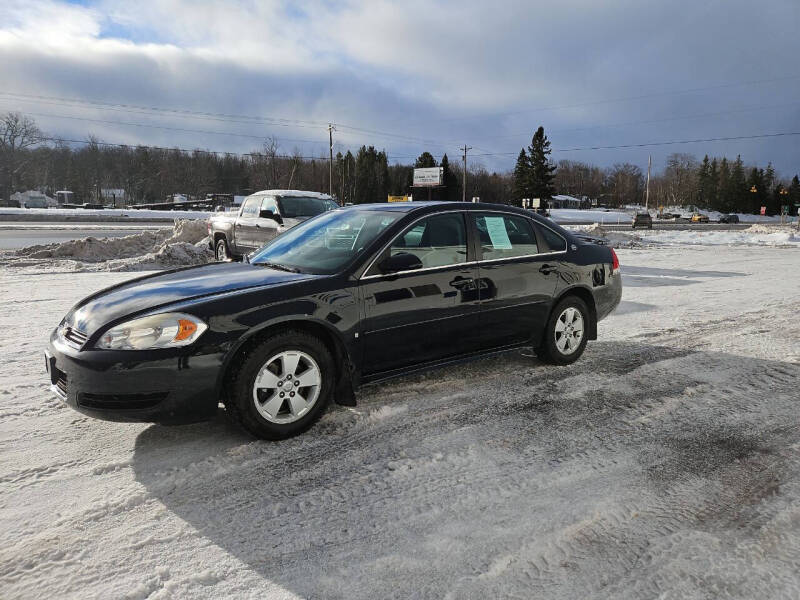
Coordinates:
(293, 207)
(327, 243)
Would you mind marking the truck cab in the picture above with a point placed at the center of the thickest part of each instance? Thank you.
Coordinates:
(261, 217)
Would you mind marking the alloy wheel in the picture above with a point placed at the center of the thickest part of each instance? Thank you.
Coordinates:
(287, 387)
(569, 330)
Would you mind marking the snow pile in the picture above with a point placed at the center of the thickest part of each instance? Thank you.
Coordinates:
(92, 249)
(168, 256)
(574, 215)
(756, 235)
(185, 244)
(615, 239)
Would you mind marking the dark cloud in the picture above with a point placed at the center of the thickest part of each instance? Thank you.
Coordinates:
(414, 73)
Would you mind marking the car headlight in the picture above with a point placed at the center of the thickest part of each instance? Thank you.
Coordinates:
(168, 330)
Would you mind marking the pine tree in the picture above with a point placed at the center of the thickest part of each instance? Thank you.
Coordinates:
(541, 170)
(794, 192)
(704, 182)
(425, 160)
(739, 187)
(713, 185)
(769, 177)
(452, 187)
(724, 190)
(521, 176)
(756, 190)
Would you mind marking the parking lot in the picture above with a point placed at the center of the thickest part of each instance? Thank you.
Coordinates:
(665, 463)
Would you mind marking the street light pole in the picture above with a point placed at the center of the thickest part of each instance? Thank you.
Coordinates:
(330, 161)
(464, 189)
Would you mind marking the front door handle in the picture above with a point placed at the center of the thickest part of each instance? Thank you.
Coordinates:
(463, 283)
(547, 269)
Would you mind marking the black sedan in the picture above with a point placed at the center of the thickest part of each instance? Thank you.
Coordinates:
(354, 295)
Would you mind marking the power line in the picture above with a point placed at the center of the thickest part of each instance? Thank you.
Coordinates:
(648, 121)
(187, 150)
(287, 156)
(665, 143)
(178, 111)
(233, 134)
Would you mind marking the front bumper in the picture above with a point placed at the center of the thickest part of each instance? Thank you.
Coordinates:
(157, 386)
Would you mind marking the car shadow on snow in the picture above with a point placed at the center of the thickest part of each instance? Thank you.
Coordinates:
(420, 489)
(633, 276)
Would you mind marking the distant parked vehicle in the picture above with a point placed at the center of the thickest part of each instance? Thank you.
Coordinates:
(729, 219)
(262, 216)
(642, 220)
(667, 216)
(699, 218)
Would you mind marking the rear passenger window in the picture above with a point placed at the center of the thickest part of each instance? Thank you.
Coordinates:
(437, 241)
(505, 236)
(553, 241)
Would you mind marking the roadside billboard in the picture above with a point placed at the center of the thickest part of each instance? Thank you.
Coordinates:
(428, 177)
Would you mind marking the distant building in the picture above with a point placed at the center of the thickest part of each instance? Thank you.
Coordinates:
(564, 201)
(33, 199)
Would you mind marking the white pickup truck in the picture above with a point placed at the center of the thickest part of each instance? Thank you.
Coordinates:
(261, 217)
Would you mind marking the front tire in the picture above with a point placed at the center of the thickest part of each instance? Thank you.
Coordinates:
(283, 386)
(221, 251)
(565, 335)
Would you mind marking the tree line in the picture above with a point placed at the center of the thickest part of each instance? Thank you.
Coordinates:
(31, 160)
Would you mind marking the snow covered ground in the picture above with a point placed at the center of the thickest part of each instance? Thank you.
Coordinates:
(133, 214)
(665, 463)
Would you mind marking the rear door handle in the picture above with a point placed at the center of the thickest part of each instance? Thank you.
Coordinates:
(547, 269)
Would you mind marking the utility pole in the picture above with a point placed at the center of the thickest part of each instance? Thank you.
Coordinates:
(330, 162)
(464, 188)
(647, 193)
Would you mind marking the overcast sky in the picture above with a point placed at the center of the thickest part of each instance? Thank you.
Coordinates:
(413, 75)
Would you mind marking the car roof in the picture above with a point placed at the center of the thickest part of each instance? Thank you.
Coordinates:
(298, 193)
(437, 206)
(424, 207)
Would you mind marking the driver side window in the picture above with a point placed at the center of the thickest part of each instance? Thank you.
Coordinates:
(437, 241)
(251, 205)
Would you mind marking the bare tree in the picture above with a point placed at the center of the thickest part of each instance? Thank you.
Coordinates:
(17, 132)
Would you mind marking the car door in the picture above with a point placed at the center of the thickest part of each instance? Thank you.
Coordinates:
(516, 280)
(424, 314)
(265, 229)
(244, 228)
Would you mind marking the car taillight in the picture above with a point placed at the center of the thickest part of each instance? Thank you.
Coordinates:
(614, 262)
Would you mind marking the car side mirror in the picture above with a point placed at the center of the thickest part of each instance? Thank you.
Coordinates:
(402, 261)
(268, 214)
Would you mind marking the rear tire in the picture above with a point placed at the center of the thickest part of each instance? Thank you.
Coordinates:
(256, 399)
(565, 335)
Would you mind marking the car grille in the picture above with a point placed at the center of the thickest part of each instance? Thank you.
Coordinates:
(73, 337)
(121, 401)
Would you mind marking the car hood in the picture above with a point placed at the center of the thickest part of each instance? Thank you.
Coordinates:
(147, 293)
